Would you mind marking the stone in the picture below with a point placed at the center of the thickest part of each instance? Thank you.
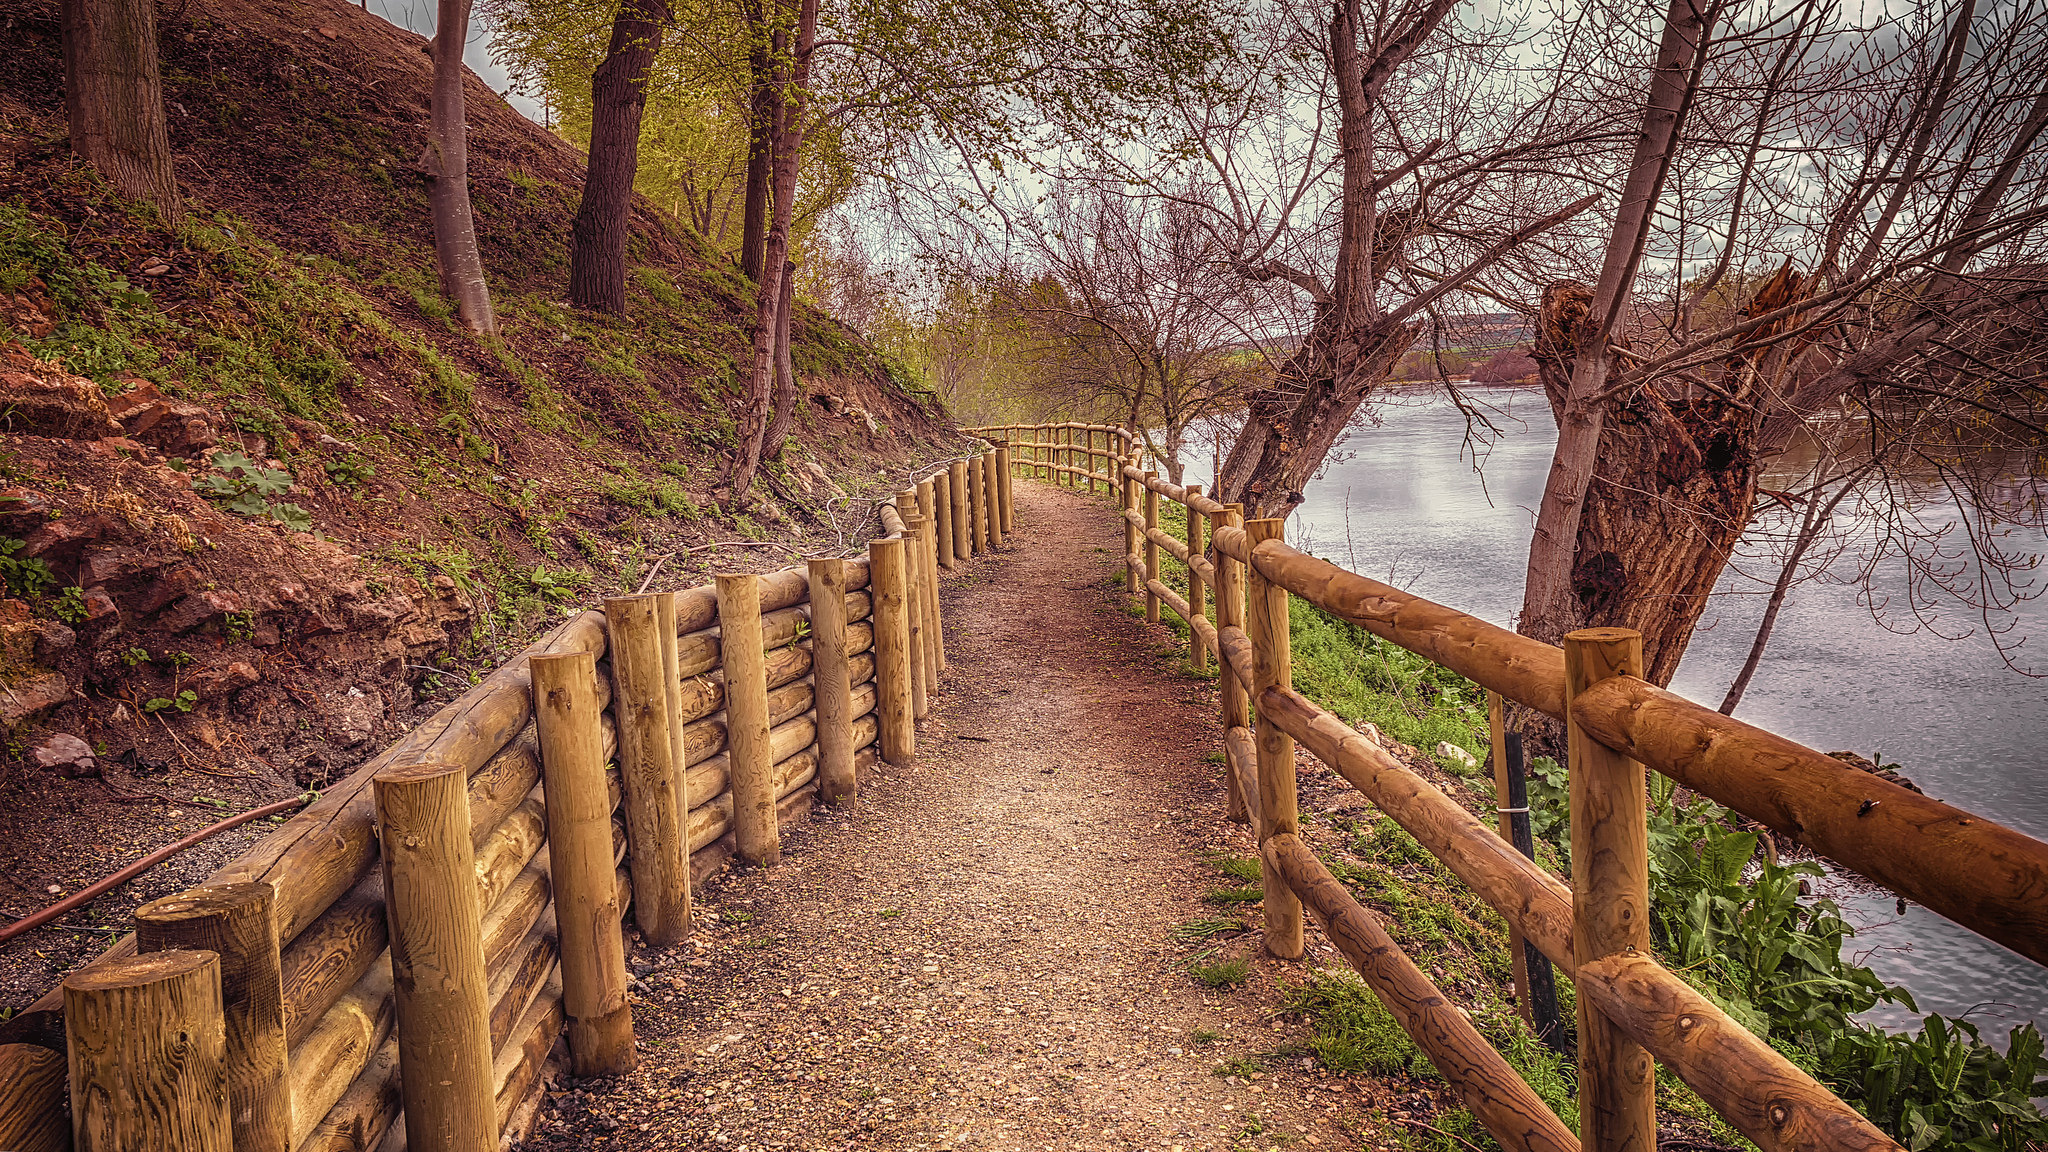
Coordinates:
(1371, 731)
(42, 399)
(24, 698)
(66, 754)
(352, 717)
(197, 610)
(173, 427)
(1456, 756)
(220, 680)
(60, 542)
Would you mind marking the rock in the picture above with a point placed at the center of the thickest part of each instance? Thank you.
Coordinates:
(1346, 801)
(32, 694)
(66, 754)
(1457, 756)
(60, 542)
(53, 638)
(173, 427)
(353, 717)
(832, 405)
(100, 606)
(1889, 773)
(197, 610)
(218, 681)
(42, 399)
(1371, 731)
(23, 510)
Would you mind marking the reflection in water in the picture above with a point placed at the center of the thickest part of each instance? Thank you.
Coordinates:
(1405, 505)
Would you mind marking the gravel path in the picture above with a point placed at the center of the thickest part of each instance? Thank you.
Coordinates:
(978, 954)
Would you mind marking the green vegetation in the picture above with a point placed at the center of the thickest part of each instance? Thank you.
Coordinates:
(1226, 972)
(1732, 924)
(1224, 897)
(241, 485)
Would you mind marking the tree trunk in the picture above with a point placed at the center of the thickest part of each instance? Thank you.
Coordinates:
(446, 161)
(787, 139)
(1548, 608)
(113, 94)
(618, 97)
(1292, 426)
(762, 111)
(784, 399)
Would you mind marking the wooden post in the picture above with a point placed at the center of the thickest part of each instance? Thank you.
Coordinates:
(1130, 502)
(935, 632)
(442, 996)
(750, 758)
(992, 493)
(913, 604)
(1610, 897)
(147, 1052)
(1497, 729)
(1198, 594)
(832, 692)
(237, 924)
(977, 509)
(942, 515)
(892, 651)
(672, 685)
(1151, 548)
(1237, 708)
(962, 500)
(656, 821)
(1273, 665)
(568, 717)
(1004, 503)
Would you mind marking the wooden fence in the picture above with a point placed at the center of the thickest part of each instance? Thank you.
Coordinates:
(1631, 1010)
(322, 995)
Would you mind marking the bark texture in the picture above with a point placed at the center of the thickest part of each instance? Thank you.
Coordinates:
(446, 161)
(783, 400)
(618, 97)
(113, 95)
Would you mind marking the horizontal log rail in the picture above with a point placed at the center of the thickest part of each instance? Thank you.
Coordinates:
(1489, 1086)
(1987, 877)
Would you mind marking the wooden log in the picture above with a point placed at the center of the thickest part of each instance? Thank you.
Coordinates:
(977, 508)
(521, 972)
(1528, 897)
(1273, 668)
(1610, 897)
(913, 606)
(1489, 1086)
(579, 817)
(1765, 1096)
(654, 792)
(1163, 593)
(1977, 872)
(1198, 596)
(339, 1048)
(31, 1094)
(360, 1120)
(1006, 507)
(942, 515)
(671, 680)
(1152, 552)
(1165, 542)
(1233, 649)
(237, 923)
(746, 718)
(697, 608)
(1131, 530)
(517, 1070)
(1241, 762)
(321, 852)
(1517, 667)
(892, 651)
(148, 1055)
(991, 512)
(963, 500)
(927, 507)
(832, 686)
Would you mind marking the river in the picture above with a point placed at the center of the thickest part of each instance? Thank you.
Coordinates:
(1404, 504)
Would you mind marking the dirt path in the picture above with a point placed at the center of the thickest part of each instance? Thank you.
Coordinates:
(979, 954)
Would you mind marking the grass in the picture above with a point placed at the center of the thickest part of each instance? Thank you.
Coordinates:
(1196, 931)
(1242, 1067)
(1238, 868)
(1224, 897)
(1361, 677)
(1350, 1030)
(1221, 973)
